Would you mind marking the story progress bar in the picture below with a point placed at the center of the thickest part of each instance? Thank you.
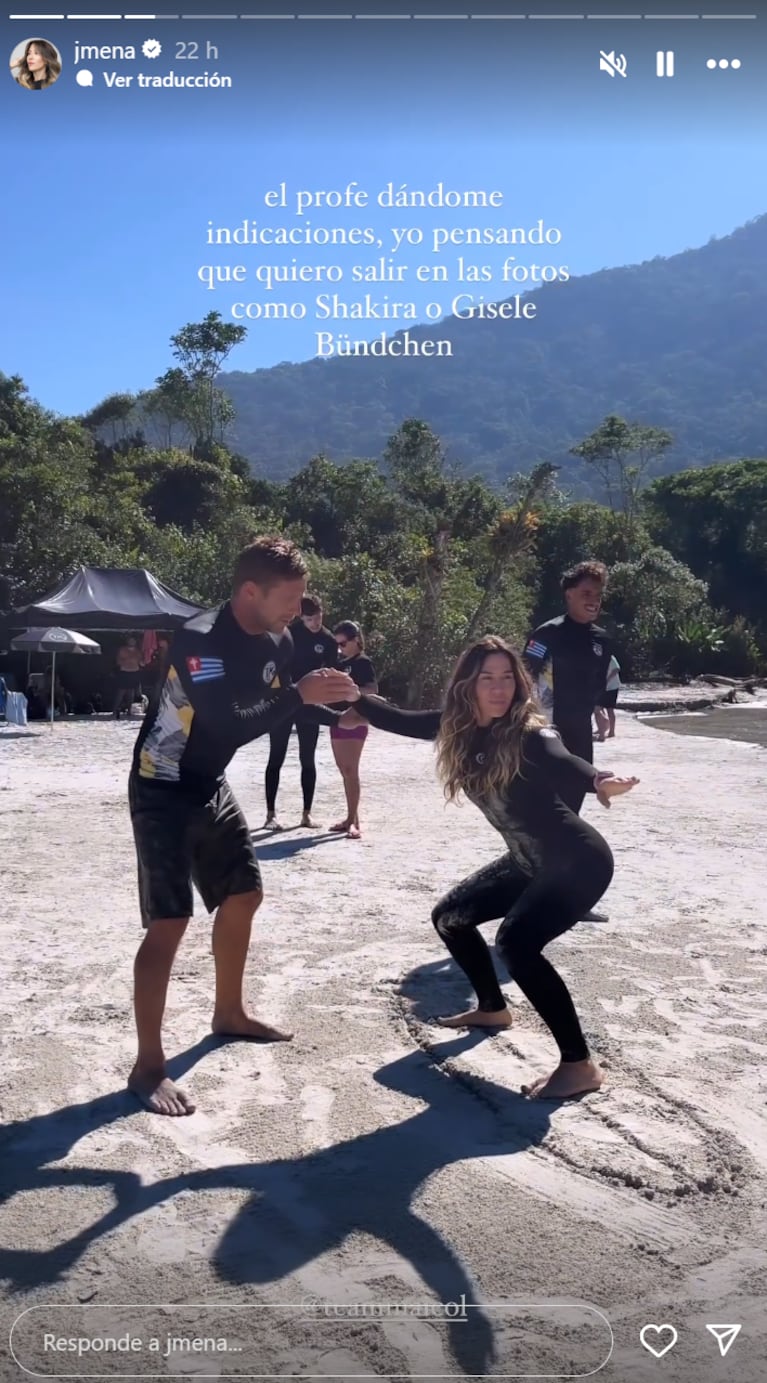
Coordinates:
(313, 18)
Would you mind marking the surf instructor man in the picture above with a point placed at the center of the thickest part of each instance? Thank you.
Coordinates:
(568, 658)
(227, 682)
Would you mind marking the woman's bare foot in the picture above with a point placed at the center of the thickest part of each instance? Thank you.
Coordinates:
(157, 1093)
(354, 833)
(240, 1025)
(341, 827)
(478, 1018)
(306, 820)
(570, 1078)
(271, 823)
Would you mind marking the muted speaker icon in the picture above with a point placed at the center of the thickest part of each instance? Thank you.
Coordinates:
(613, 64)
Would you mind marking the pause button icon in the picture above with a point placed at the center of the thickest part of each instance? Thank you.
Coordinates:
(664, 64)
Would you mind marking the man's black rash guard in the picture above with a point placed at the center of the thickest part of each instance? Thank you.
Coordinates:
(222, 688)
(529, 812)
(568, 662)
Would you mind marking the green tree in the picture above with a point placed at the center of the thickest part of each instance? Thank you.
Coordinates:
(190, 493)
(622, 455)
(415, 463)
(45, 472)
(348, 508)
(572, 533)
(715, 520)
(201, 349)
(509, 539)
(647, 600)
(187, 395)
(170, 406)
(115, 416)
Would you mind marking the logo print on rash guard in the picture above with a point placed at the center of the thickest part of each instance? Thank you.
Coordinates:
(318, 648)
(205, 669)
(597, 647)
(269, 673)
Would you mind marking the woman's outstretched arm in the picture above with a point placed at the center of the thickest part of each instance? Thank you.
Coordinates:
(565, 771)
(417, 725)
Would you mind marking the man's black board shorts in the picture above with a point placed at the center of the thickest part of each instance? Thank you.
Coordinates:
(181, 841)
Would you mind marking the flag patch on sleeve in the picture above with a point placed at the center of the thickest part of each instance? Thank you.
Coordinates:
(536, 650)
(205, 669)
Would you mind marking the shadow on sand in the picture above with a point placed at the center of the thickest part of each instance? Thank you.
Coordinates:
(305, 1206)
(276, 847)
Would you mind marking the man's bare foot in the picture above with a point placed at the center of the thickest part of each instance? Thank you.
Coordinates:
(478, 1018)
(341, 827)
(158, 1094)
(570, 1078)
(240, 1025)
(354, 833)
(306, 820)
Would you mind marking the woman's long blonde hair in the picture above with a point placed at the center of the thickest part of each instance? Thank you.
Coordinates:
(456, 764)
(23, 73)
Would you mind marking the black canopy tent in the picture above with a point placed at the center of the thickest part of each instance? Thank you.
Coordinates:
(103, 598)
(98, 600)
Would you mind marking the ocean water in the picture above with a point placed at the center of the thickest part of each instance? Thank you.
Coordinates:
(747, 723)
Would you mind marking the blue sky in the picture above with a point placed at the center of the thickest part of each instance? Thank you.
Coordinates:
(109, 192)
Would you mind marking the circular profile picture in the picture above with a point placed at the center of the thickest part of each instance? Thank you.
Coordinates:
(35, 64)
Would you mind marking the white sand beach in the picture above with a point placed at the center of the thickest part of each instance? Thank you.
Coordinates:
(377, 1158)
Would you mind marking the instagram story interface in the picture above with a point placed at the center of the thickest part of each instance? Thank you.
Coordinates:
(383, 492)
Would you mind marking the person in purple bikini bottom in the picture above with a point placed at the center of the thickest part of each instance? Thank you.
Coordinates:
(349, 743)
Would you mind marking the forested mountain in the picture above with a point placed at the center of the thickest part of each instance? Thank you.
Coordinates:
(677, 343)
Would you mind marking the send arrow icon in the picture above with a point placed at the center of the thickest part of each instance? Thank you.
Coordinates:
(725, 1336)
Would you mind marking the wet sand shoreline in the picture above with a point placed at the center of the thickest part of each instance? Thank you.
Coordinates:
(745, 724)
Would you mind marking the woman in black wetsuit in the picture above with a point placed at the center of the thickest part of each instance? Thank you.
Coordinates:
(494, 745)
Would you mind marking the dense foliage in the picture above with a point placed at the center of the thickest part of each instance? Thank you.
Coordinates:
(424, 555)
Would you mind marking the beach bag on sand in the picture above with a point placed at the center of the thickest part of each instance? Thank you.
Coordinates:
(16, 708)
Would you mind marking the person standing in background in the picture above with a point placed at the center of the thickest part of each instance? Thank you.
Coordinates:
(348, 744)
(568, 658)
(128, 677)
(313, 647)
(56, 693)
(605, 713)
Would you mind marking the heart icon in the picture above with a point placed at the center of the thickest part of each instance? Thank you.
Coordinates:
(651, 1336)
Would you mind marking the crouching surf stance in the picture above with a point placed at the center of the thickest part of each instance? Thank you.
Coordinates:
(494, 746)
